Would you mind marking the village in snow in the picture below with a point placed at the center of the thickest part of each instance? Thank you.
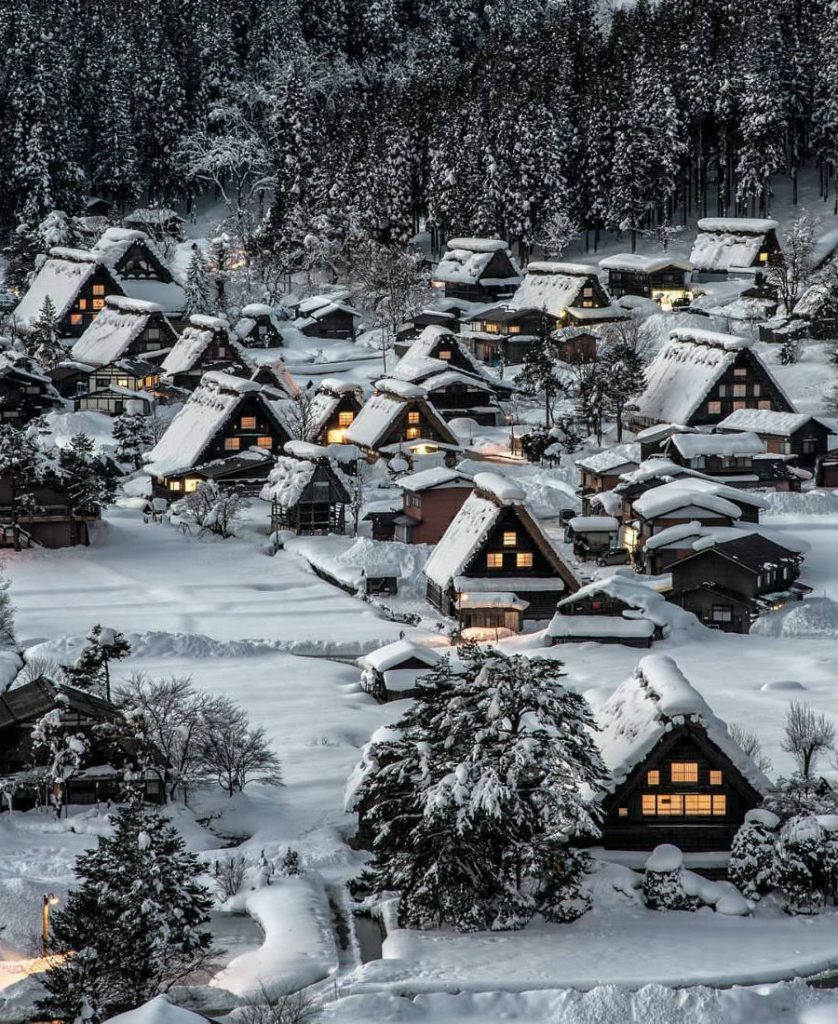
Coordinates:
(419, 554)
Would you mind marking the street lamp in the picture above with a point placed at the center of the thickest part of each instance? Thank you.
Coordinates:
(49, 900)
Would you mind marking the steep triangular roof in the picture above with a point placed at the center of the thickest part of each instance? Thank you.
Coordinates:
(61, 277)
(391, 402)
(114, 328)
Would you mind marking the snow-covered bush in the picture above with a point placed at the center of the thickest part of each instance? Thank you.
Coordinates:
(212, 509)
(290, 863)
(752, 853)
(663, 883)
(804, 863)
(229, 874)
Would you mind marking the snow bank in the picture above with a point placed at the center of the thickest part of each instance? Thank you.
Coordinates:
(159, 1011)
(816, 618)
(299, 947)
(802, 503)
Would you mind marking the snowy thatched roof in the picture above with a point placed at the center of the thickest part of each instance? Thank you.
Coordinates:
(656, 698)
(194, 341)
(111, 332)
(161, 287)
(384, 409)
(685, 371)
(431, 338)
(627, 454)
(553, 287)
(628, 589)
(393, 655)
(250, 316)
(633, 262)
(435, 477)
(723, 243)
(467, 259)
(60, 278)
(693, 446)
(767, 421)
(288, 480)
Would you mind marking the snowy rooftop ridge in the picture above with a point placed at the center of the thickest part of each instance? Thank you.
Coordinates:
(109, 335)
(768, 421)
(745, 225)
(698, 336)
(499, 488)
(692, 446)
(478, 244)
(611, 458)
(558, 267)
(634, 261)
(644, 708)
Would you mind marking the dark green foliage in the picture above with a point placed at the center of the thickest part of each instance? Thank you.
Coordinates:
(92, 668)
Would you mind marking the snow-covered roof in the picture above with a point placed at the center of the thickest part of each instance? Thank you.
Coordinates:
(634, 262)
(683, 535)
(627, 454)
(193, 342)
(151, 215)
(723, 243)
(685, 371)
(437, 476)
(692, 446)
(333, 452)
(392, 655)
(466, 533)
(646, 706)
(610, 312)
(158, 1011)
(466, 259)
(250, 314)
(287, 481)
(675, 497)
(766, 421)
(115, 242)
(594, 626)
(61, 277)
(108, 336)
(434, 334)
(623, 587)
(255, 309)
(382, 410)
(553, 287)
(400, 388)
(593, 524)
(813, 300)
(477, 244)
(339, 385)
(501, 488)
(192, 429)
(491, 599)
(210, 323)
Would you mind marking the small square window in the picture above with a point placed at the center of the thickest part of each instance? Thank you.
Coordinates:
(98, 289)
(648, 803)
(413, 418)
(265, 442)
(82, 303)
(175, 485)
(248, 423)
(714, 407)
(719, 805)
(510, 538)
(653, 778)
(76, 318)
(523, 560)
(412, 433)
(494, 560)
(98, 303)
(623, 812)
(684, 771)
(444, 354)
(715, 778)
(345, 419)
(232, 444)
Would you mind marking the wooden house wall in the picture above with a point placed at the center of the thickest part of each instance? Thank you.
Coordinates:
(263, 334)
(157, 334)
(335, 325)
(432, 512)
(753, 389)
(23, 399)
(635, 830)
(637, 282)
(710, 566)
(247, 436)
(348, 402)
(139, 263)
(89, 301)
(807, 443)
(706, 603)
(426, 427)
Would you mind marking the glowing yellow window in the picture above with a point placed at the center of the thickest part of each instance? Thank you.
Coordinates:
(345, 419)
(715, 778)
(413, 418)
(523, 560)
(670, 805)
(265, 442)
(75, 318)
(334, 436)
(494, 560)
(763, 257)
(514, 328)
(175, 485)
(444, 354)
(248, 423)
(122, 382)
(98, 289)
(697, 803)
(82, 303)
(98, 303)
(684, 771)
(412, 433)
(719, 805)
(648, 805)
(510, 539)
(191, 484)
(653, 778)
(232, 444)
(623, 812)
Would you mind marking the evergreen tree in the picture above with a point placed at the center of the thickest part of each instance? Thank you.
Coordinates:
(804, 863)
(541, 372)
(751, 866)
(134, 927)
(20, 256)
(92, 668)
(473, 805)
(22, 465)
(623, 370)
(197, 292)
(88, 477)
(42, 342)
(663, 881)
(133, 436)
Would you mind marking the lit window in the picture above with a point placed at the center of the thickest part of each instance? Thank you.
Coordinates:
(719, 805)
(623, 812)
(510, 539)
(191, 484)
(653, 778)
(649, 805)
(82, 303)
(756, 390)
(345, 419)
(765, 404)
(122, 382)
(265, 442)
(98, 289)
(740, 371)
(697, 803)
(684, 771)
(232, 444)
(98, 303)
(740, 390)
(714, 407)
(715, 778)
(523, 560)
(175, 485)
(248, 423)
(740, 404)
(494, 560)
(412, 433)
(75, 318)
(763, 257)
(413, 418)
(444, 354)
(514, 328)
(670, 805)
(334, 436)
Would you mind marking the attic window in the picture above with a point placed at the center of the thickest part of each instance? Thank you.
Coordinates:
(623, 812)
(510, 539)
(740, 371)
(345, 419)
(494, 560)
(232, 444)
(523, 560)
(98, 289)
(82, 303)
(715, 778)
(445, 354)
(653, 778)
(684, 771)
(413, 418)
(714, 407)
(763, 257)
(75, 318)
(248, 423)
(412, 433)
(98, 303)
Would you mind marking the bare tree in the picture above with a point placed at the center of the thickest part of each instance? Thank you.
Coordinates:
(212, 509)
(235, 753)
(749, 744)
(557, 232)
(791, 275)
(300, 415)
(269, 1007)
(229, 875)
(807, 737)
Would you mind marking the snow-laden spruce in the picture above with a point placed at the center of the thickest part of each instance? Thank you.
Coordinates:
(474, 797)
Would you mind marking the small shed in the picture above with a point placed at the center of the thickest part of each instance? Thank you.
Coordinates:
(591, 535)
(393, 672)
(259, 326)
(307, 496)
(477, 270)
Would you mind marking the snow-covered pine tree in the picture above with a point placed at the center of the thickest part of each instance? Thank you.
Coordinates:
(58, 753)
(134, 927)
(198, 285)
(41, 343)
(663, 885)
(804, 863)
(751, 866)
(92, 668)
(623, 370)
(133, 436)
(540, 374)
(89, 478)
(473, 805)
(22, 464)
(20, 256)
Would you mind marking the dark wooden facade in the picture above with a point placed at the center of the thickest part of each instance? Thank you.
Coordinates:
(670, 279)
(107, 387)
(340, 419)
(746, 384)
(261, 333)
(807, 443)
(24, 395)
(88, 302)
(686, 792)
(320, 508)
(54, 524)
(221, 353)
(486, 288)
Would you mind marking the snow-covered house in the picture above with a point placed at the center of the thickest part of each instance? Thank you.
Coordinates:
(259, 326)
(569, 293)
(477, 270)
(440, 343)
(333, 409)
(246, 473)
(274, 375)
(326, 316)
(700, 377)
(453, 392)
(25, 392)
(136, 263)
(785, 433)
(224, 417)
(494, 565)
(675, 773)
(673, 504)
(392, 672)
(106, 761)
(727, 455)
(125, 328)
(616, 610)
(160, 222)
(500, 333)
(307, 495)
(399, 416)
(205, 344)
(817, 307)
(726, 581)
(664, 279)
(592, 535)
(110, 389)
(76, 282)
(448, 313)
(602, 471)
(725, 244)
(432, 498)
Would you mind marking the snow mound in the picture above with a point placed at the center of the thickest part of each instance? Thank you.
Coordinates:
(159, 1011)
(815, 618)
(783, 684)
(767, 818)
(801, 503)
(664, 858)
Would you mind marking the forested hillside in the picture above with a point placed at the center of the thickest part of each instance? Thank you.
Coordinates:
(507, 118)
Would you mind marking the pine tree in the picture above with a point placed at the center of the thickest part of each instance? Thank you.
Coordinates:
(540, 374)
(197, 291)
(751, 866)
(623, 370)
(473, 805)
(42, 342)
(92, 668)
(20, 256)
(22, 466)
(804, 863)
(134, 927)
(133, 436)
(88, 477)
